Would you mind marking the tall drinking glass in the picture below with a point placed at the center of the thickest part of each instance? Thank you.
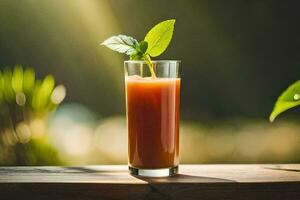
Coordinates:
(152, 108)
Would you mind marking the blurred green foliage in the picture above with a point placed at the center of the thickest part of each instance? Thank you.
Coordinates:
(35, 152)
(20, 89)
(25, 104)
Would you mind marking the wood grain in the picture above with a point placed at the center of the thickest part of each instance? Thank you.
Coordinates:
(113, 182)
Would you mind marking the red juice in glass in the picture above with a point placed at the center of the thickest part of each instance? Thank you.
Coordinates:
(152, 106)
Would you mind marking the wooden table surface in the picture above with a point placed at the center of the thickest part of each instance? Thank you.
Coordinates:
(202, 182)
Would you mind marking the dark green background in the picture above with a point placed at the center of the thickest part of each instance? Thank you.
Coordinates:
(237, 56)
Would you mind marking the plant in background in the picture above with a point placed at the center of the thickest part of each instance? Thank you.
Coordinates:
(154, 44)
(288, 99)
(25, 105)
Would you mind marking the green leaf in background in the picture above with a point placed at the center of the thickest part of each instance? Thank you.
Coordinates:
(43, 91)
(46, 90)
(17, 79)
(8, 91)
(288, 99)
(35, 95)
(29, 79)
(159, 37)
(122, 44)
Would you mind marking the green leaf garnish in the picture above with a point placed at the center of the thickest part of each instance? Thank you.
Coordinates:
(122, 44)
(141, 49)
(159, 37)
(288, 99)
(154, 44)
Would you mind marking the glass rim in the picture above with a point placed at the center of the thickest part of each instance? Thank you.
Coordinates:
(153, 61)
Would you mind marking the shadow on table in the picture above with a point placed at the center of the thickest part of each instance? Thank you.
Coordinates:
(283, 168)
(178, 178)
(183, 178)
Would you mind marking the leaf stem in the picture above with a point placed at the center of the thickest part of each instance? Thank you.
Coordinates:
(150, 65)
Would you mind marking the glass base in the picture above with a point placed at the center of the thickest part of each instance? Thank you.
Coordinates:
(164, 172)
